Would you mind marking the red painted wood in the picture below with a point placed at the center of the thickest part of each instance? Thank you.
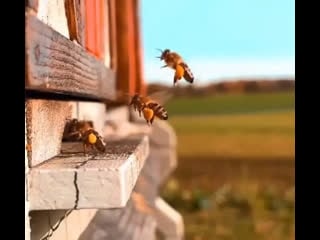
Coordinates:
(126, 65)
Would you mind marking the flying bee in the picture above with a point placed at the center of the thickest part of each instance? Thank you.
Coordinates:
(175, 61)
(149, 107)
(154, 109)
(139, 103)
(83, 131)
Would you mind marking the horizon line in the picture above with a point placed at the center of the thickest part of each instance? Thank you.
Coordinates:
(215, 70)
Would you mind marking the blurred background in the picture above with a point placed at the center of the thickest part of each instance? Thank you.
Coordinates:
(235, 125)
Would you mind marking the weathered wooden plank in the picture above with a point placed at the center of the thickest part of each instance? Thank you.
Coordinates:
(56, 64)
(72, 180)
(45, 121)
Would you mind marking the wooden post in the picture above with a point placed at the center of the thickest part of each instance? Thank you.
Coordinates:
(112, 34)
(126, 62)
(140, 85)
(94, 27)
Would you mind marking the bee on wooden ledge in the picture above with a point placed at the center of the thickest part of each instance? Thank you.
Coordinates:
(83, 131)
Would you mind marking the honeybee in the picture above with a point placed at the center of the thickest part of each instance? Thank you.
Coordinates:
(83, 131)
(175, 61)
(149, 107)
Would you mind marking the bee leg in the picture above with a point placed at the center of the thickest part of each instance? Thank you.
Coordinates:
(95, 150)
(85, 149)
(164, 66)
(151, 120)
(140, 110)
(175, 79)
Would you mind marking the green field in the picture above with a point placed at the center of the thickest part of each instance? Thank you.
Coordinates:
(245, 142)
(255, 135)
(231, 103)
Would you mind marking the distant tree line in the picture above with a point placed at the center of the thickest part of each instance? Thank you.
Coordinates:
(238, 86)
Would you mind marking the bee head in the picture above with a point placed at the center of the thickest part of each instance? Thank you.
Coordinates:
(164, 53)
(135, 99)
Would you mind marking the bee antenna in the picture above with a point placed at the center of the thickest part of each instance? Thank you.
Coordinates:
(159, 50)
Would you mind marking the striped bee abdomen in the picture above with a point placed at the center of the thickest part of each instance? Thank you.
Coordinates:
(158, 110)
(188, 75)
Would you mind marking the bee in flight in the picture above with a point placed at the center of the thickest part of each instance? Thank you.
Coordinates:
(175, 61)
(149, 107)
(83, 131)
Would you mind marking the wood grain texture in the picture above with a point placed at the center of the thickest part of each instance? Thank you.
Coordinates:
(72, 180)
(56, 64)
(45, 121)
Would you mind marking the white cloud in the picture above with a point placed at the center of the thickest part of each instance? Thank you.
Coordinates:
(206, 70)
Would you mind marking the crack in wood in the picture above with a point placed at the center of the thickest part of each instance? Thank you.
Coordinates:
(54, 228)
(77, 189)
(76, 183)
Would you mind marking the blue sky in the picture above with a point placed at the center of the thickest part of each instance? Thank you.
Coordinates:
(220, 38)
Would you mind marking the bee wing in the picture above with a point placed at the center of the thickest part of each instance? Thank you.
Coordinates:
(161, 97)
(187, 75)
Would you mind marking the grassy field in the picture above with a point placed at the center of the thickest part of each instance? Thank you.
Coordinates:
(231, 103)
(254, 135)
(242, 143)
